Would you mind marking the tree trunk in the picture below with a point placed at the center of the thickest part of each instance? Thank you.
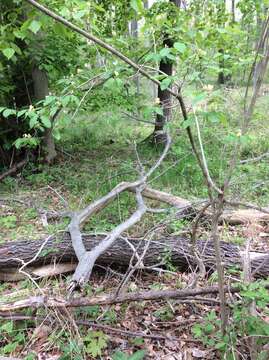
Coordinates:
(41, 90)
(233, 11)
(166, 67)
(165, 101)
(221, 76)
(134, 34)
(146, 4)
(167, 250)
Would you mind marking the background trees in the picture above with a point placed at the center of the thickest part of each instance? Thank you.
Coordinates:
(36, 53)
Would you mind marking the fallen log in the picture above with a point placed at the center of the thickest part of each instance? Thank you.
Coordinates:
(167, 250)
(245, 216)
(229, 216)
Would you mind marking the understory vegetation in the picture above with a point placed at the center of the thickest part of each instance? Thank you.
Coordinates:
(113, 115)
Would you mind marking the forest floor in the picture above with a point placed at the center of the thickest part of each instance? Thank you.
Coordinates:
(94, 156)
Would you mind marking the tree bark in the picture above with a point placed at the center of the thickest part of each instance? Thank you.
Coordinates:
(167, 250)
(164, 96)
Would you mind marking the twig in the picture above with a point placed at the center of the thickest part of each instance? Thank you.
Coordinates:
(217, 212)
(25, 264)
(206, 171)
(130, 116)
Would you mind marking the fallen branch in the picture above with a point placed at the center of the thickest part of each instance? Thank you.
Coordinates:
(36, 302)
(254, 159)
(86, 258)
(14, 169)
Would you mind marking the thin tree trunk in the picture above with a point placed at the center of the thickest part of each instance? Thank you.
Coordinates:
(41, 90)
(165, 101)
(221, 76)
(233, 11)
(134, 34)
(166, 67)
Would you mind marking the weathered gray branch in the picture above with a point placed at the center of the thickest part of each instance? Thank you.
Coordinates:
(86, 258)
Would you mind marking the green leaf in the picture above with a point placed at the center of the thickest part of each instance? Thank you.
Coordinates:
(8, 52)
(60, 29)
(56, 134)
(79, 14)
(49, 99)
(33, 121)
(21, 112)
(119, 355)
(137, 5)
(17, 49)
(30, 356)
(187, 123)
(8, 112)
(96, 342)
(19, 34)
(7, 327)
(138, 341)
(171, 57)
(18, 143)
(180, 47)
(34, 26)
(138, 355)
(209, 328)
(221, 345)
(9, 348)
(53, 110)
(198, 98)
(166, 83)
(216, 116)
(197, 331)
(158, 110)
(165, 52)
(153, 57)
(45, 121)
